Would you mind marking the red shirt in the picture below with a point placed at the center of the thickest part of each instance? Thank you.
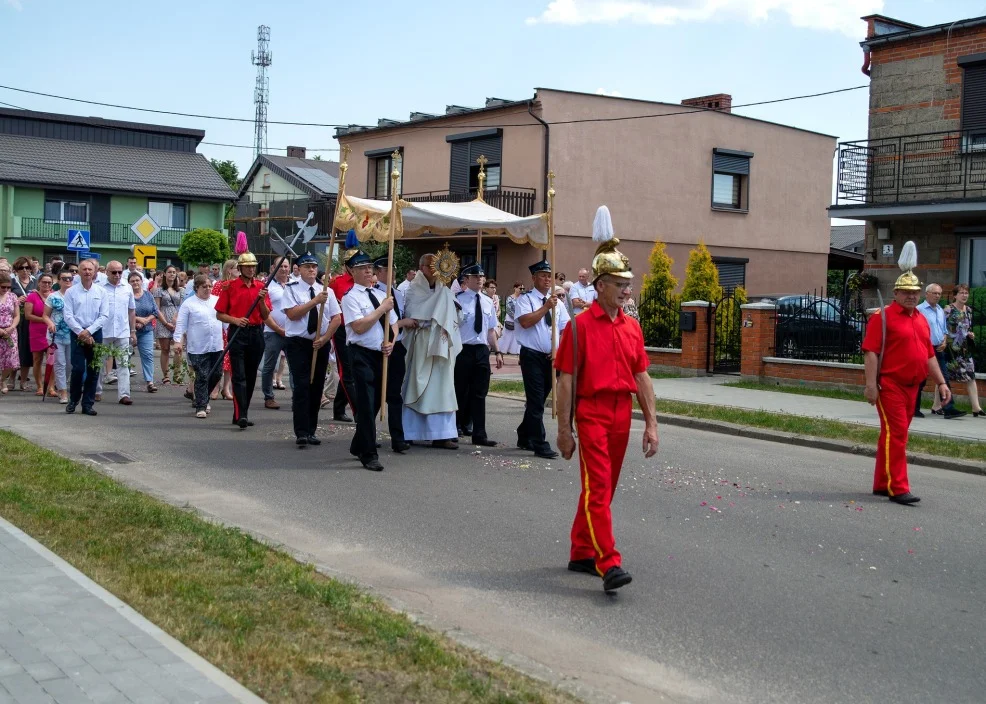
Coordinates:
(611, 352)
(341, 284)
(908, 348)
(235, 299)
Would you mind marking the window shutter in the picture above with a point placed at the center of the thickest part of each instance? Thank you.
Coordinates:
(383, 178)
(974, 97)
(729, 164)
(459, 175)
(731, 274)
(490, 147)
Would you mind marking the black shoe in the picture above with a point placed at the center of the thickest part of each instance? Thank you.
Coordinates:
(243, 423)
(301, 441)
(445, 444)
(342, 419)
(373, 465)
(89, 411)
(978, 414)
(378, 445)
(524, 445)
(548, 454)
(949, 415)
(939, 412)
(486, 442)
(905, 499)
(586, 566)
(918, 414)
(401, 447)
(312, 440)
(881, 492)
(70, 408)
(615, 578)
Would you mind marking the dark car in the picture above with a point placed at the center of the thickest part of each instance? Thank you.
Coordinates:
(809, 327)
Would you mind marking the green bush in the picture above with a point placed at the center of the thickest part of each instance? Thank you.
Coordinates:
(701, 276)
(204, 246)
(659, 305)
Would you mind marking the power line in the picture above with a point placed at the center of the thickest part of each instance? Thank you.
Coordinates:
(690, 111)
(280, 149)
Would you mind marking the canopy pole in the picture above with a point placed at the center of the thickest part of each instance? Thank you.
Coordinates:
(481, 197)
(394, 176)
(551, 292)
(332, 243)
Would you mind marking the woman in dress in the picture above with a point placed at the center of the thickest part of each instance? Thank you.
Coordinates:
(10, 315)
(22, 284)
(230, 272)
(38, 328)
(510, 344)
(145, 313)
(168, 298)
(960, 339)
(54, 307)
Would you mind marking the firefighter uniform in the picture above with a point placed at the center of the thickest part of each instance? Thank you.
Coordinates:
(472, 365)
(246, 349)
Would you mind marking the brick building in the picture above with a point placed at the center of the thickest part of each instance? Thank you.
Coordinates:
(921, 174)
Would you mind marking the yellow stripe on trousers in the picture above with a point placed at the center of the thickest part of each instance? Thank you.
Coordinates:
(585, 485)
(886, 449)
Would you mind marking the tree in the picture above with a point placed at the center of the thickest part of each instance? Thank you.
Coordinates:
(317, 157)
(204, 246)
(403, 257)
(229, 171)
(659, 278)
(701, 276)
(658, 310)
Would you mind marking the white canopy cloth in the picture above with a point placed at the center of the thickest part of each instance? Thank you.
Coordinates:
(371, 220)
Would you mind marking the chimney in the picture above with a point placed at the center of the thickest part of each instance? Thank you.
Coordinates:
(297, 151)
(720, 101)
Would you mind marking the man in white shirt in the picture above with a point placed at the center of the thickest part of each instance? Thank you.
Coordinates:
(119, 330)
(396, 365)
(274, 340)
(472, 366)
(304, 340)
(534, 311)
(582, 293)
(366, 315)
(132, 269)
(85, 313)
(408, 278)
(98, 276)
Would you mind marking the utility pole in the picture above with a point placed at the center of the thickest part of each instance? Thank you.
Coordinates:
(261, 58)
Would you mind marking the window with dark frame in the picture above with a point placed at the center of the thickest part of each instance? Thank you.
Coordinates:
(382, 167)
(466, 148)
(973, 113)
(66, 211)
(730, 179)
(168, 216)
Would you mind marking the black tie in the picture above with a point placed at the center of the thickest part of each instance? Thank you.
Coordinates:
(376, 304)
(478, 325)
(397, 308)
(547, 316)
(312, 314)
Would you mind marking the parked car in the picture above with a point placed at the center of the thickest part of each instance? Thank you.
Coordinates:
(810, 327)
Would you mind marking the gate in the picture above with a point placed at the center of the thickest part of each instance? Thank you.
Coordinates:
(725, 335)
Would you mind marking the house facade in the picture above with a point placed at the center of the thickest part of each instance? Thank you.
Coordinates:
(755, 192)
(64, 172)
(921, 173)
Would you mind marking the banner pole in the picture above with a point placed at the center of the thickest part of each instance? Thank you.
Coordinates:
(551, 272)
(394, 176)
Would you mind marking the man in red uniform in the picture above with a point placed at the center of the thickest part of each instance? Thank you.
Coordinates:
(611, 366)
(896, 364)
(246, 349)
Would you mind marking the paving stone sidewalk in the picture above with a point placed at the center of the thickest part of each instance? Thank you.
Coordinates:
(65, 639)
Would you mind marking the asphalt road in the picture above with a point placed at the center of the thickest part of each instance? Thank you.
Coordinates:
(762, 572)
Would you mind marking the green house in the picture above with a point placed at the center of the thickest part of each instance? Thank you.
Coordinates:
(63, 172)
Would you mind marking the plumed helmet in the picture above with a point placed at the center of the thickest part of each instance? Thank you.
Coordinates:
(608, 259)
(908, 281)
(246, 259)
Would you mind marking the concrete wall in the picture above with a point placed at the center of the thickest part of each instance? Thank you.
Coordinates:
(937, 251)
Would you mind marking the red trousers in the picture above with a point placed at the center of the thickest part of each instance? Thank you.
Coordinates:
(896, 408)
(603, 424)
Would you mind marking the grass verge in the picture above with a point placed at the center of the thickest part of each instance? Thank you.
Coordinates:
(840, 394)
(801, 425)
(272, 623)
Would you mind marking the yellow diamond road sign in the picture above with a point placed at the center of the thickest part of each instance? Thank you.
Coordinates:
(145, 228)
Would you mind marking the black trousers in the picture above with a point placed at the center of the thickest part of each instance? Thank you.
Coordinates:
(536, 370)
(472, 383)
(942, 361)
(246, 352)
(346, 392)
(306, 397)
(367, 374)
(84, 377)
(396, 367)
(203, 365)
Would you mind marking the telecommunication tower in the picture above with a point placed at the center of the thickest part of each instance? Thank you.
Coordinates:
(261, 58)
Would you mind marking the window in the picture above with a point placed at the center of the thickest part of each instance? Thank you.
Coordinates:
(972, 261)
(266, 181)
(66, 211)
(167, 215)
(973, 100)
(732, 271)
(382, 167)
(730, 179)
(466, 148)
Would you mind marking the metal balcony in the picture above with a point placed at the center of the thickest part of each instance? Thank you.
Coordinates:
(517, 201)
(115, 233)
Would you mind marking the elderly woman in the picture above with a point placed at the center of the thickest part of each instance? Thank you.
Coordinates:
(10, 315)
(145, 313)
(38, 328)
(510, 344)
(22, 284)
(960, 345)
(203, 333)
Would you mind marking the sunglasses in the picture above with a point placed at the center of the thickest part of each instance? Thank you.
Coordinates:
(23, 268)
(64, 278)
(5, 288)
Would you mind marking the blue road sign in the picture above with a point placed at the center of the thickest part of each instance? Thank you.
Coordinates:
(78, 240)
(86, 254)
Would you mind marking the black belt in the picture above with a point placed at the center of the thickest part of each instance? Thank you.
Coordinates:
(476, 344)
(534, 351)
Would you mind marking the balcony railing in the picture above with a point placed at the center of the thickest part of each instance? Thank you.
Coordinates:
(116, 233)
(921, 167)
(517, 201)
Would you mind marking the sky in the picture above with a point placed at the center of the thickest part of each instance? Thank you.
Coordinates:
(342, 63)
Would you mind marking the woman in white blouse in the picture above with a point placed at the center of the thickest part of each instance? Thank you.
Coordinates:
(203, 333)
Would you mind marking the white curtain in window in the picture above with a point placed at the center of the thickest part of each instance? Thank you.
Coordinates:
(160, 213)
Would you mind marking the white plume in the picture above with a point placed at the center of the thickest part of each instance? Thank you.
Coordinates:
(602, 225)
(908, 256)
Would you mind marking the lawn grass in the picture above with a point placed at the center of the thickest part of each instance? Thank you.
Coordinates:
(277, 626)
(841, 394)
(801, 425)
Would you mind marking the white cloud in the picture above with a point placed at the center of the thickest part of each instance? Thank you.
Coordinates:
(610, 93)
(838, 15)
(16, 4)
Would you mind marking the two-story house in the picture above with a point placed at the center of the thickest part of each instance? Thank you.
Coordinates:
(921, 174)
(64, 172)
(755, 192)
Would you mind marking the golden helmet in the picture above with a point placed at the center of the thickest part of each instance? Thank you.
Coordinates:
(608, 259)
(246, 259)
(908, 281)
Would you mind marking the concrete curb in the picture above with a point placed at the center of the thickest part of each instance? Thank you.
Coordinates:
(718, 426)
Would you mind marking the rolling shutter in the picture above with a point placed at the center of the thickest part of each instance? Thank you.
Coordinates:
(731, 274)
(974, 97)
(730, 164)
(464, 155)
(459, 175)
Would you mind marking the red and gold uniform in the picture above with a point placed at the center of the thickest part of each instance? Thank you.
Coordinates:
(246, 350)
(611, 352)
(904, 369)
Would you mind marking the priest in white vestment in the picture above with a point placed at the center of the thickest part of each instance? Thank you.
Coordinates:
(432, 346)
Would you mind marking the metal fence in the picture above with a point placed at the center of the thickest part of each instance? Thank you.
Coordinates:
(820, 328)
(660, 319)
(517, 201)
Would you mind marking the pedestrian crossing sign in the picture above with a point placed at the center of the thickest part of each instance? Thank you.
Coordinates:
(78, 240)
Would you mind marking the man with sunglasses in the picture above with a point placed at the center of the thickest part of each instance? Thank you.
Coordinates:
(120, 328)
